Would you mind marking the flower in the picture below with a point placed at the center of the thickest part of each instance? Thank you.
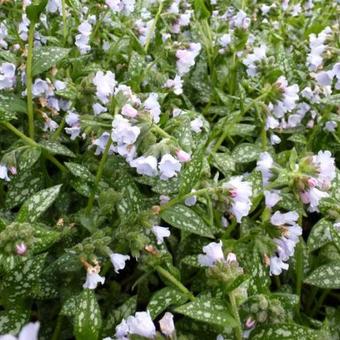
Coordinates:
(213, 253)
(98, 109)
(7, 76)
(139, 324)
(183, 156)
(118, 261)
(151, 104)
(191, 201)
(129, 111)
(21, 248)
(160, 233)
(277, 265)
(73, 120)
(240, 192)
(105, 84)
(4, 172)
(125, 7)
(123, 132)
(28, 332)
(101, 143)
(93, 277)
(54, 6)
(271, 198)
(312, 197)
(264, 165)
(83, 38)
(317, 48)
(253, 58)
(196, 125)
(175, 84)
(325, 164)
(169, 167)
(167, 325)
(186, 58)
(145, 165)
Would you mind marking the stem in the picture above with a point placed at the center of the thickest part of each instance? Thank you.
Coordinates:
(57, 329)
(63, 9)
(98, 176)
(320, 302)
(32, 143)
(29, 81)
(161, 132)
(299, 272)
(161, 271)
(234, 309)
(152, 28)
(57, 133)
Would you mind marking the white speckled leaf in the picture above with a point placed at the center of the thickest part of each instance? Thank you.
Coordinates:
(87, 320)
(13, 320)
(208, 310)
(319, 235)
(184, 218)
(56, 148)
(37, 204)
(224, 162)
(246, 152)
(326, 276)
(46, 57)
(28, 157)
(81, 171)
(164, 298)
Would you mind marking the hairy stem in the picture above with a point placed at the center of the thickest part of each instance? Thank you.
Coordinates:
(234, 308)
(30, 112)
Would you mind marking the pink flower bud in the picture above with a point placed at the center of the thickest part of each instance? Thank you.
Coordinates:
(233, 193)
(183, 156)
(129, 111)
(12, 170)
(312, 182)
(304, 197)
(250, 323)
(231, 258)
(21, 248)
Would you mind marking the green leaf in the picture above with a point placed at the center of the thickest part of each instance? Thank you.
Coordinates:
(116, 316)
(37, 204)
(87, 320)
(319, 235)
(241, 130)
(192, 171)
(80, 171)
(13, 320)
(28, 157)
(290, 331)
(246, 152)
(164, 298)
(224, 162)
(44, 238)
(56, 148)
(34, 10)
(326, 276)
(9, 105)
(167, 187)
(46, 57)
(184, 218)
(332, 100)
(209, 310)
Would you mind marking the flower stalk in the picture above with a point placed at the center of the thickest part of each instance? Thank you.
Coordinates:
(30, 112)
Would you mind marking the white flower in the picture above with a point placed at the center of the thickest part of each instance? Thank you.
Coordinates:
(7, 76)
(240, 20)
(280, 219)
(160, 233)
(98, 109)
(317, 48)
(105, 84)
(129, 111)
(151, 104)
(167, 325)
(326, 168)
(145, 165)
(93, 278)
(277, 265)
(313, 197)
(225, 40)
(125, 7)
(118, 261)
(73, 120)
(3, 35)
(101, 142)
(240, 192)
(83, 38)
(253, 58)
(4, 172)
(122, 331)
(213, 253)
(186, 58)
(50, 125)
(175, 84)
(141, 324)
(54, 6)
(169, 167)
(271, 198)
(183, 156)
(123, 132)
(28, 332)
(127, 151)
(196, 125)
(330, 126)
(191, 201)
(74, 132)
(23, 28)
(41, 88)
(264, 165)
(231, 257)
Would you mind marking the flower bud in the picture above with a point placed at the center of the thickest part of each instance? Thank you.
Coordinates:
(21, 248)
(183, 156)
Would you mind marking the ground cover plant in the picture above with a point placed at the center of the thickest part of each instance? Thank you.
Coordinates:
(169, 169)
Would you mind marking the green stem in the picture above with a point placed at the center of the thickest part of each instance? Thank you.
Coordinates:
(32, 143)
(152, 29)
(161, 271)
(63, 9)
(29, 80)
(57, 133)
(57, 329)
(234, 309)
(320, 302)
(299, 272)
(161, 132)
(98, 176)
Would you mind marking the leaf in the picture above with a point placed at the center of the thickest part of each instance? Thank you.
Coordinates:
(9, 105)
(241, 130)
(23, 186)
(326, 276)
(29, 157)
(56, 148)
(164, 298)
(46, 57)
(37, 204)
(34, 10)
(167, 187)
(44, 238)
(184, 218)
(87, 320)
(332, 100)
(192, 171)
(209, 310)
(80, 171)
(224, 162)
(319, 235)
(281, 331)
(70, 306)
(246, 152)
(13, 320)
(116, 316)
